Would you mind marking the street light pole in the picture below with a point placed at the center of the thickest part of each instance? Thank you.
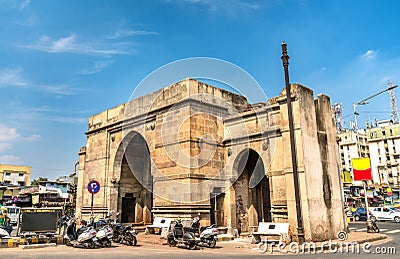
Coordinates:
(364, 102)
(300, 228)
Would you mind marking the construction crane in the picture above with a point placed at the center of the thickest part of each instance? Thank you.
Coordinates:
(393, 104)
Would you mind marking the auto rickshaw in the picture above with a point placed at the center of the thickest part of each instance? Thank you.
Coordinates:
(4, 219)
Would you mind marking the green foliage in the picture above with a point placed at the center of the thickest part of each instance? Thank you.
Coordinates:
(36, 181)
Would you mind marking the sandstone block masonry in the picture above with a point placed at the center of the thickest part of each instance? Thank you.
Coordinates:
(191, 149)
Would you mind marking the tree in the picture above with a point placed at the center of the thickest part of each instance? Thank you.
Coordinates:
(36, 181)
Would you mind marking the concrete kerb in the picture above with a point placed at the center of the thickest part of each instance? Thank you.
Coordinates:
(156, 239)
(354, 240)
(359, 237)
(31, 241)
(9, 242)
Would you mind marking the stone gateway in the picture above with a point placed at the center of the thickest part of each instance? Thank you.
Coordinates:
(191, 149)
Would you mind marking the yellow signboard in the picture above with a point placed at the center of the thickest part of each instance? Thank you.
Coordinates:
(346, 176)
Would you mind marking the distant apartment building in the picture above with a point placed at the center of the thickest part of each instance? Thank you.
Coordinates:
(49, 194)
(384, 145)
(348, 149)
(15, 175)
(381, 143)
(12, 177)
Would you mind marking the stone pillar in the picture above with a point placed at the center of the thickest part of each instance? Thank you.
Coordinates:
(80, 188)
(333, 192)
(230, 209)
(138, 212)
(146, 215)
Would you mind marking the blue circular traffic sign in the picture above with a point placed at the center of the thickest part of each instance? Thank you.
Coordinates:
(93, 186)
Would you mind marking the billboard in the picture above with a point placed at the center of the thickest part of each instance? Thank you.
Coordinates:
(361, 169)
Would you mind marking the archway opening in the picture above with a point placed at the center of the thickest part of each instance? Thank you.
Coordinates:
(136, 182)
(252, 191)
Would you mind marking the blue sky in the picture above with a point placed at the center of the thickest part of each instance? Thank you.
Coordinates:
(63, 61)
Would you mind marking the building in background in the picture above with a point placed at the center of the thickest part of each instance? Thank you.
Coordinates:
(12, 178)
(384, 145)
(347, 140)
(50, 194)
(381, 143)
(15, 174)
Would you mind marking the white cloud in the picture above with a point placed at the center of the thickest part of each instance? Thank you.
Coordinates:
(12, 77)
(32, 138)
(127, 33)
(369, 55)
(60, 89)
(231, 7)
(13, 4)
(25, 3)
(72, 120)
(63, 44)
(10, 159)
(98, 66)
(70, 44)
(8, 133)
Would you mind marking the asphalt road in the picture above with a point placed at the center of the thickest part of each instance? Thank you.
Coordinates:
(228, 249)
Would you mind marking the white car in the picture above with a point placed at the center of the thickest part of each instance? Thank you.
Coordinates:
(381, 213)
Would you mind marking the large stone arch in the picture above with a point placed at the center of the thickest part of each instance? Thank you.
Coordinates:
(252, 190)
(132, 168)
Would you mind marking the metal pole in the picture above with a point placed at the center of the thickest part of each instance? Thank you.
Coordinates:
(91, 205)
(366, 202)
(300, 229)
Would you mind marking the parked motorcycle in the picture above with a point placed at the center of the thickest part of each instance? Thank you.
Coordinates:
(372, 226)
(86, 240)
(182, 235)
(124, 234)
(121, 233)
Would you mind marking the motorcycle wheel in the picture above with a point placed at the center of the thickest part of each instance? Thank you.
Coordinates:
(132, 241)
(116, 238)
(107, 243)
(192, 245)
(212, 243)
(172, 242)
(91, 245)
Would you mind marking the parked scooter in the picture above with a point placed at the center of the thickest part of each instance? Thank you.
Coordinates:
(104, 236)
(181, 235)
(208, 236)
(5, 231)
(86, 240)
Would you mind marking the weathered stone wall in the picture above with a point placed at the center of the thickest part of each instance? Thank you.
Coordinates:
(195, 135)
